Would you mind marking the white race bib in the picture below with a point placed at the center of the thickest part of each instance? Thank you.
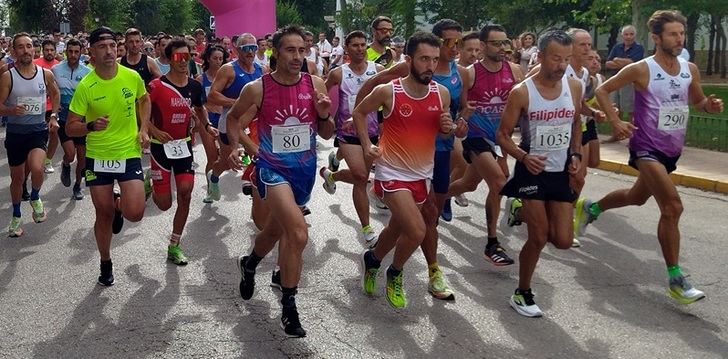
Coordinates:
(176, 149)
(352, 101)
(287, 139)
(110, 166)
(673, 118)
(33, 105)
(552, 138)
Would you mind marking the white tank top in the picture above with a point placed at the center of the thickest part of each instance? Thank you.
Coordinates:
(31, 93)
(349, 88)
(547, 126)
(584, 78)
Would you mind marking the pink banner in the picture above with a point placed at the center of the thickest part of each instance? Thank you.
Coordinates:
(234, 17)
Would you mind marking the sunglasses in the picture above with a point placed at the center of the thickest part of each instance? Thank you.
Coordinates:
(450, 42)
(499, 43)
(248, 48)
(181, 56)
(148, 49)
(385, 30)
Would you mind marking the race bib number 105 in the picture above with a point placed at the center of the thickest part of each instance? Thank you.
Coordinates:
(287, 139)
(673, 118)
(110, 166)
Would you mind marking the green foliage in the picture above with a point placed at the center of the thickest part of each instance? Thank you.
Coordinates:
(287, 14)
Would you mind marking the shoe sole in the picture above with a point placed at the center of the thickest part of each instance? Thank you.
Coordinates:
(518, 310)
(176, 262)
(105, 284)
(448, 298)
(291, 335)
(16, 234)
(487, 258)
(329, 189)
(40, 220)
(276, 286)
(682, 300)
(464, 204)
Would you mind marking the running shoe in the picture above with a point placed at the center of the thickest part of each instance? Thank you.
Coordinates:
(576, 243)
(213, 189)
(461, 200)
(522, 302)
(497, 255)
(369, 275)
(175, 254)
(438, 286)
(48, 166)
(247, 188)
(583, 216)
(329, 183)
(118, 221)
(245, 159)
(446, 214)
(509, 219)
(148, 189)
(14, 229)
(333, 162)
(39, 213)
(291, 324)
(77, 193)
(107, 274)
(395, 292)
(247, 279)
(370, 236)
(683, 292)
(66, 174)
(275, 279)
(305, 210)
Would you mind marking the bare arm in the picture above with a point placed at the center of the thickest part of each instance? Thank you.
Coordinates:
(312, 68)
(153, 68)
(629, 75)
(53, 92)
(517, 72)
(380, 97)
(250, 96)
(4, 92)
(468, 77)
(334, 78)
(709, 104)
(382, 77)
(144, 113)
(323, 108)
(222, 80)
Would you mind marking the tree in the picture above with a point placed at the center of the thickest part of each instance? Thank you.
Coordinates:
(287, 14)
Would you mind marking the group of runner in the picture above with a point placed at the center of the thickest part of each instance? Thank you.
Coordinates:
(433, 127)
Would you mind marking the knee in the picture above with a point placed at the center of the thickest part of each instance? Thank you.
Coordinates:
(163, 203)
(672, 210)
(562, 242)
(184, 195)
(360, 176)
(298, 238)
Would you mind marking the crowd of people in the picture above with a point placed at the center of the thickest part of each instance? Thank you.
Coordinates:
(432, 117)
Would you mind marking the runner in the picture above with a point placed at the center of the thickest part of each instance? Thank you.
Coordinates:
(172, 95)
(212, 59)
(349, 78)
(226, 87)
(114, 102)
(415, 113)
(47, 61)
(488, 83)
(664, 87)
(379, 51)
(144, 65)
(162, 61)
(68, 74)
(288, 103)
(548, 157)
(590, 138)
(23, 91)
(469, 49)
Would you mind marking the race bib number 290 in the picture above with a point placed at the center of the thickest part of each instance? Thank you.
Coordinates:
(287, 139)
(110, 166)
(673, 118)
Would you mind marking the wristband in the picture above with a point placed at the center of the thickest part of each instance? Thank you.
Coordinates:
(90, 126)
(577, 155)
(324, 118)
(54, 115)
(207, 125)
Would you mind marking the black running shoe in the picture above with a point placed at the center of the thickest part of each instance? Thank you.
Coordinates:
(291, 324)
(275, 279)
(247, 279)
(118, 217)
(107, 274)
(66, 174)
(497, 255)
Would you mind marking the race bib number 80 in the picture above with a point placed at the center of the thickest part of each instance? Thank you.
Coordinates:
(287, 139)
(552, 138)
(673, 118)
(32, 105)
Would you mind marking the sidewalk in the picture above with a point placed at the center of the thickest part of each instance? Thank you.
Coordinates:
(697, 168)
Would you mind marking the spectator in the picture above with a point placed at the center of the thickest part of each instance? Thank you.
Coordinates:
(622, 55)
(337, 53)
(525, 47)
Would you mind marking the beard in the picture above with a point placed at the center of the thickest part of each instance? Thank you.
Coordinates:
(673, 51)
(421, 77)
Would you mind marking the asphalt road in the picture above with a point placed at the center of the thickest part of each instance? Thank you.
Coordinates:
(604, 300)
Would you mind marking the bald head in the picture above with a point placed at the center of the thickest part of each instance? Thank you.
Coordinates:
(628, 34)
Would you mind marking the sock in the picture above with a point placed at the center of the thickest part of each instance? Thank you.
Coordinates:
(253, 261)
(674, 271)
(288, 300)
(331, 177)
(214, 179)
(393, 272)
(35, 194)
(432, 268)
(16, 209)
(595, 210)
(174, 239)
(367, 228)
(371, 261)
(76, 186)
(491, 242)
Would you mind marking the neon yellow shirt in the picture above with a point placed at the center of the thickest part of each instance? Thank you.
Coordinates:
(384, 59)
(269, 52)
(114, 99)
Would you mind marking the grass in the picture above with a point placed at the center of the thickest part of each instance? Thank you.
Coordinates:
(720, 92)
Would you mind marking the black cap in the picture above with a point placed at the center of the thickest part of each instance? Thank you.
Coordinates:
(102, 33)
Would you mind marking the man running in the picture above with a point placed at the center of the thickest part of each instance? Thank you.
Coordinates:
(172, 95)
(469, 49)
(144, 65)
(162, 61)
(665, 86)
(547, 106)
(47, 61)
(292, 108)
(23, 91)
(379, 51)
(349, 78)
(116, 107)
(415, 112)
(68, 74)
(225, 89)
(488, 83)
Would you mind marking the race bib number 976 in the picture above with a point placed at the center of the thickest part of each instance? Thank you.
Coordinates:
(287, 139)
(673, 118)
(552, 138)
(32, 105)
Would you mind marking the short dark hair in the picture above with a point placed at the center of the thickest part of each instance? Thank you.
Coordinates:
(487, 29)
(352, 35)
(73, 42)
(163, 37)
(378, 19)
(473, 35)
(173, 45)
(132, 31)
(307, 34)
(656, 23)
(558, 36)
(208, 52)
(446, 24)
(420, 37)
(19, 35)
(286, 31)
(48, 42)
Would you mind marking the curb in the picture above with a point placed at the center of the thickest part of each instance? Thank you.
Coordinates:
(678, 178)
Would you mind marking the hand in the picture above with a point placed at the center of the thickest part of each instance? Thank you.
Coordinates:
(18, 110)
(234, 160)
(53, 126)
(623, 129)
(462, 128)
(143, 138)
(468, 110)
(574, 165)
(162, 136)
(213, 131)
(446, 123)
(534, 163)
(713, 105)
(323, 104)
(373, 152)
(101, 123)
(600, 116)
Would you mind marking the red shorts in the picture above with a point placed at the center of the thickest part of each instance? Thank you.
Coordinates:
(249, 173)
(418, 189)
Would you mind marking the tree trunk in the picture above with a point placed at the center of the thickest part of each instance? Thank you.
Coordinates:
(690, 40)
(613, 33)
(719, 34)
(711, 43)
(721, 55)
(76, 12)
(638, 21)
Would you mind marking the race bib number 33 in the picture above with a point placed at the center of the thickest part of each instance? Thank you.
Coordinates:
(177, 149)
(110, 166)
(287, 139)
(552, 138)
(673, 118)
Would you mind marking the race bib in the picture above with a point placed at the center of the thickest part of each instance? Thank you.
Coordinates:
(32, 105)
(673, 118)
(352, 101)
(287, 139)
(176, 149)
(552, 138)
(110, 166)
